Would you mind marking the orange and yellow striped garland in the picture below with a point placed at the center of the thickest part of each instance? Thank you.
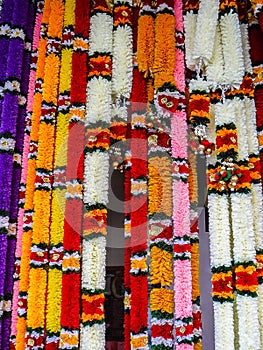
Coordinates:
(54, 288)
(29, 206)
(43, 182)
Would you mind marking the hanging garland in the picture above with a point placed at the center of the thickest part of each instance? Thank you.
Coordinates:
(145, 42)
(35, 334)
(71, 281)
(21, 203)
(17, 160)
(6, 30)
(96, 172)
(26, 220)
(186, 242)
(11, 92)
(54, 287)
(190, 10)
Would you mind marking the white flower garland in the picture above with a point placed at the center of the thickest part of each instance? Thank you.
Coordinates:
(220, 255)
(246, 47)
(96, 175)
(215, 67)
(98, 100)
(250, 113)
(96, 335)
(122, 65)
(206, 30)
(190, 20)
(100, 39)
(219, 229)
(232, 49)
(224, 326)
(242, 226)
(93, 262)
(242, 132)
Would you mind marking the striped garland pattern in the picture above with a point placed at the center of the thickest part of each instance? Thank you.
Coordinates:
(43, 183)
(185, 235)
(71, 277)
(96, 171)
(13, 51)
(17, 160)
(54, 287)
(21, 202)
(26, 220)
(96, 103)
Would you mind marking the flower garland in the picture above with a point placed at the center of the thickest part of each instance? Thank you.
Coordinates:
(96, 172)
(17, 158)
(160, 237)
(138, 218)
(257, 6)
(30, 97)
(231, 43)
(187, 311)
(122, 67)
(160, 179)
(5, 34)
(54, 288)
(71, 281)
(35, 335)
(8, 135)
(205, 30)
(255, 39)
(145, 42)
(254, 108)
(127, 247)
(164, 50)
(25, 222)
(190, 11)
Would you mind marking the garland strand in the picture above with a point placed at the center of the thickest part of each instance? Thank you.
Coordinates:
(254, 108)
(35, 335)
(71, 281)
(96, 172)
(54, 288)
(25, 222)
(30, 98)
(5, 33)
(17, 158)
(8, 135)
(188, 229)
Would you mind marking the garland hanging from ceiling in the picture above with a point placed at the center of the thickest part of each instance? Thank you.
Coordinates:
(145, 88)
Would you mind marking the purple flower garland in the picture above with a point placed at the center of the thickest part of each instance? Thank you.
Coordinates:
(8, 132)
(5, 21)
(16, 178)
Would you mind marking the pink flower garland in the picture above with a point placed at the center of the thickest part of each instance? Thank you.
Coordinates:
(181, 211)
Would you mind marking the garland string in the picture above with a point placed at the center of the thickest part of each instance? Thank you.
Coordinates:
(36, 322)
(25, 222)
(54, 287)
(8, 136)
(21, 203)
(71, 279)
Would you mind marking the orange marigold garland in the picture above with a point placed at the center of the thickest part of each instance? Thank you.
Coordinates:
(35, 335)
(54, 287)
(145, 42)
(30, 184)
(71, 279)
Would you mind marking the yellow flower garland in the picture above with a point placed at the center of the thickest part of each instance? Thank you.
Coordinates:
(59, 190)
